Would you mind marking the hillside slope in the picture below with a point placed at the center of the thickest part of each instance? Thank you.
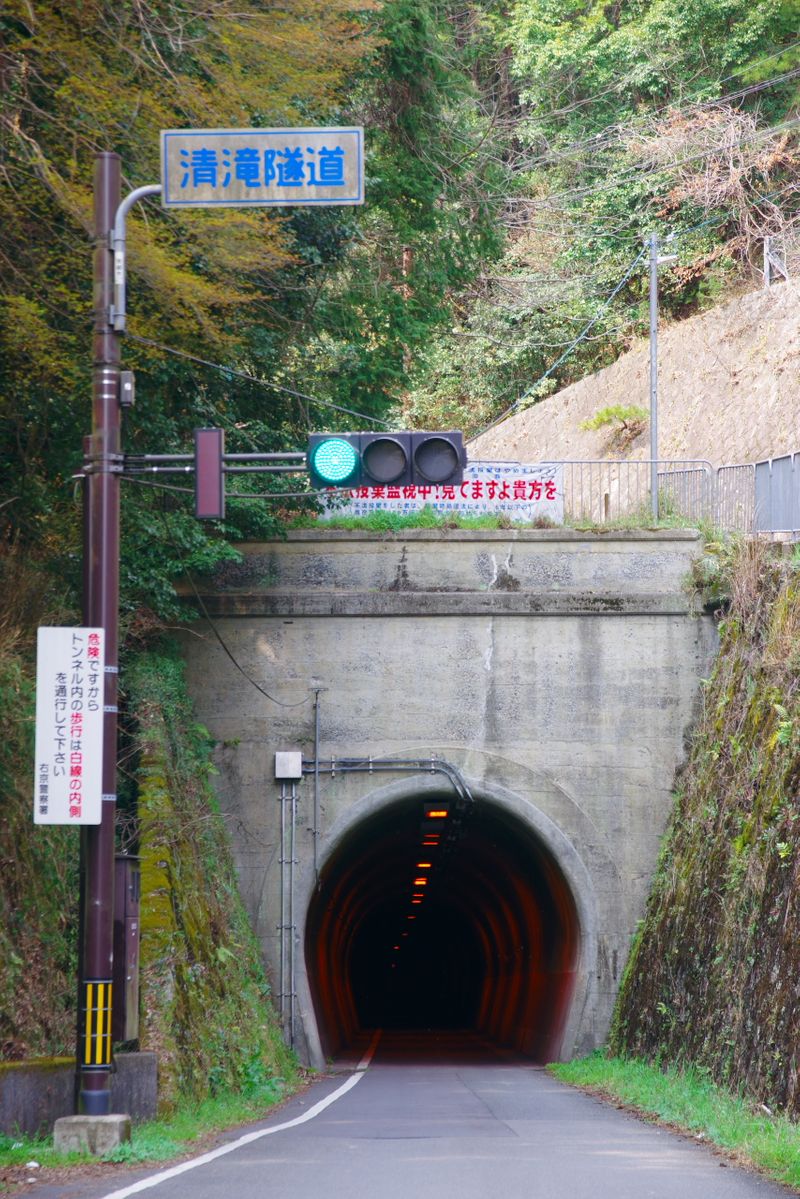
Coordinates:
(729, 391)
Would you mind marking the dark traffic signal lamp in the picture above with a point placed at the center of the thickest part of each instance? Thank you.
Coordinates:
(380, 459)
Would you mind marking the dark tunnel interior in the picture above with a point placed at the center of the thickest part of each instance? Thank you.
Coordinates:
(428, 917)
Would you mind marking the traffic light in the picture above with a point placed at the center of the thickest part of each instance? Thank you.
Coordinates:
(380, 459)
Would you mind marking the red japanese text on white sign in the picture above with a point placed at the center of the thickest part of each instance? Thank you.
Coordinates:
(69, 726)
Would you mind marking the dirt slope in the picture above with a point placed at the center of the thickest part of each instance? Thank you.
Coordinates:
(729, 392)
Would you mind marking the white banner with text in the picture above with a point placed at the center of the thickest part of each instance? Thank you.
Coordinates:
(69, 726)
(523, 493)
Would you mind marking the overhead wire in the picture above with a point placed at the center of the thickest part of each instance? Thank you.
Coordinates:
(641, 172)
(669, 239)
(619, 127)
(226, 649)
(237, 374)
(582, 336)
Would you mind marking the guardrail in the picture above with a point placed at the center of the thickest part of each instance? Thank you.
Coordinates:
(603, 490)
(753, 497)
(777, 495)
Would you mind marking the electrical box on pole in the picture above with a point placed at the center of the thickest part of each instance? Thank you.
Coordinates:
(386, 459)
(209, 474)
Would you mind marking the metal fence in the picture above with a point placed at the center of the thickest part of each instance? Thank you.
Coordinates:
(735, 499)
(606, 490)
(754, 497)
(777, 495)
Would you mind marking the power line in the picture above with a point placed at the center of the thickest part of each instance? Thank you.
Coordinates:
(216, 631)
(641, 172)
(605, 138)
(617, 128)
(232, 371)
(573, 345)
(670, 239)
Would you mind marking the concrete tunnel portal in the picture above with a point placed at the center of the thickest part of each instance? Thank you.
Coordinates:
(430, 920)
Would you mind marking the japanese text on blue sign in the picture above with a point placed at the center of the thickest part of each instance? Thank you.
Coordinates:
(262, 167)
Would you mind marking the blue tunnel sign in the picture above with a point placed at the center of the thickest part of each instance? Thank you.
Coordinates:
(240, 167)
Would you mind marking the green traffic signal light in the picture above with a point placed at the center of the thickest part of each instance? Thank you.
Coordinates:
(406, 458)
(334, 461)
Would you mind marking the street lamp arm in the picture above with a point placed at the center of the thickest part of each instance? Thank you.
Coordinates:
(116, 313)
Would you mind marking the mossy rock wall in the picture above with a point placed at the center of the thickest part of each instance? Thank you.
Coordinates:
(206, 1008)
(714, 976)
(38, 890)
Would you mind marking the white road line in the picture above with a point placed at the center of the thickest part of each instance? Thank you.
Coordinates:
(369, 1055)
(145, 1183)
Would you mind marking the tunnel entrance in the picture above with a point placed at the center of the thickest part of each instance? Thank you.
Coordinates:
(427, 919)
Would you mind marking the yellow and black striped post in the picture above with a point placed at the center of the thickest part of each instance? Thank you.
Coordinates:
(96, 1024)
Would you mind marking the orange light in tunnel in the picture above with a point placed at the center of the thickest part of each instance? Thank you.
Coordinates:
(420, 882)
(418, 895)
(411, 917)
(414, 901)
(437, 814)
(424, 865)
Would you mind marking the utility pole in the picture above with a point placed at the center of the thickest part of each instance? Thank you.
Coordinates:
(655, 262)
(104, 464)
(100, 604)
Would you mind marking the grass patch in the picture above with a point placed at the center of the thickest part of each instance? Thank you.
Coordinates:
(688, 1099)
(158, 1140)
(425, 518)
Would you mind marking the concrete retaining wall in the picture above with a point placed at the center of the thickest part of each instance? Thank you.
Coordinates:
(33, 1095)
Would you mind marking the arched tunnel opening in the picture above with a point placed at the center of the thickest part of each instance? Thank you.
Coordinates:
(430, 919)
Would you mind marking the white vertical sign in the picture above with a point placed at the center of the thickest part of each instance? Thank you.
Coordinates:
(68, 782)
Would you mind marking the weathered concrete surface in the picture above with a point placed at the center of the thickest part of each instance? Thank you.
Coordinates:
(34, 1094)
(559, 671)
(91, 1134)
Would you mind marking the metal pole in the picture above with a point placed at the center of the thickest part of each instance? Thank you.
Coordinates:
(283, 919)
(118, 245)
(653, 243)
(100, 604)
(292, 826)
(316, 784)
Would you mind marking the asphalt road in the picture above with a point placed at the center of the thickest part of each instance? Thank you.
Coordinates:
(452, 1119)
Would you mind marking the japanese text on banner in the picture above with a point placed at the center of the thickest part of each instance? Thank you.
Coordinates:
(69, 726)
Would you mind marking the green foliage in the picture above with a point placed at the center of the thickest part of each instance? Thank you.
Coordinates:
(687, 1099)
(37, 921)
(623, 415)
(163, 1139)
(426, 518)
(711, 977)
(320, 306)
(616, 138)
(205, 1000)
(433, 178)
